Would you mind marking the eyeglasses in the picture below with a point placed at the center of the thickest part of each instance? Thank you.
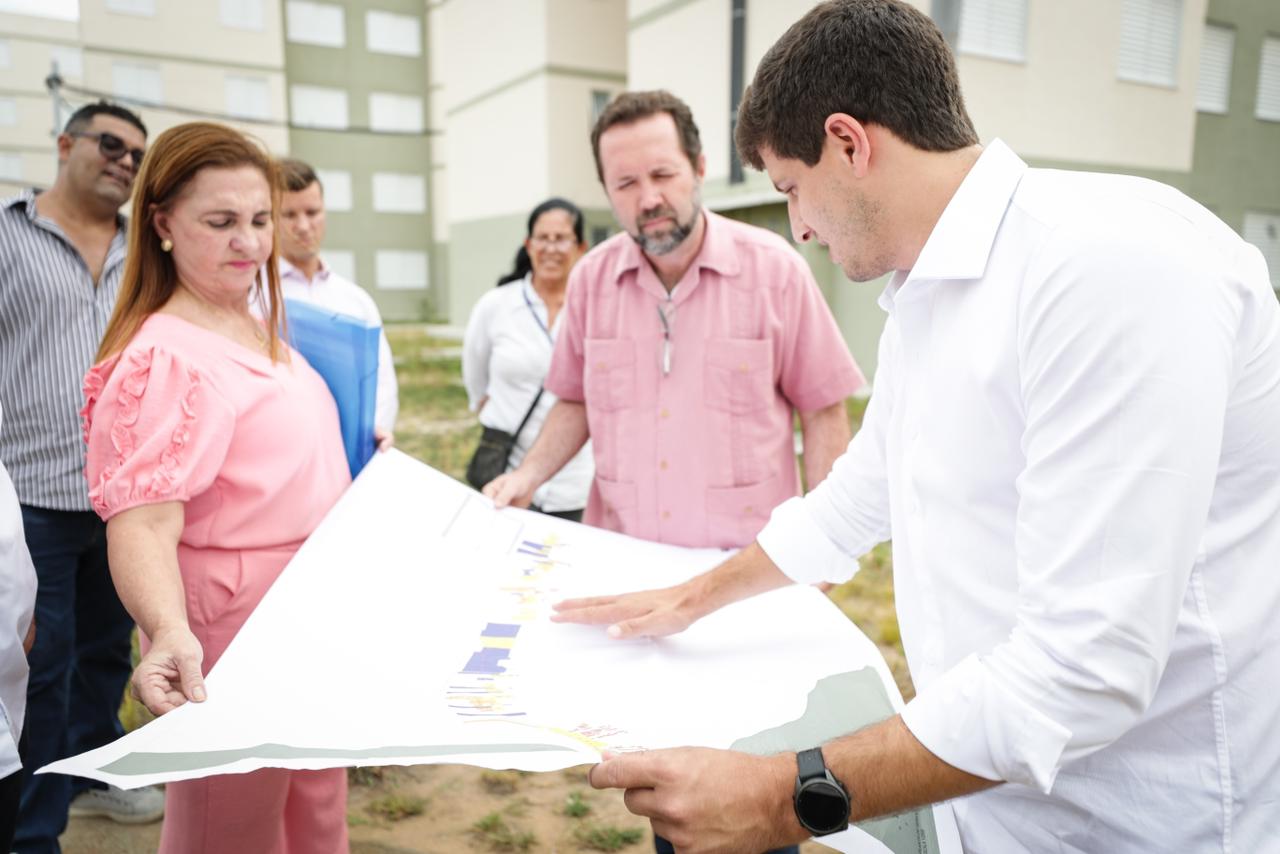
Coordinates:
(113, 147)
(563, 242)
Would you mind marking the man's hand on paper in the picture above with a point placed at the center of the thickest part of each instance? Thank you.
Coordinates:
(646, 613)
(169, 674)
(707, 801)
(515, 488)
(385, 440)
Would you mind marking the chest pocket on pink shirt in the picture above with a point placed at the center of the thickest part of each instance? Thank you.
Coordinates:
(609, 373)
(739, 374)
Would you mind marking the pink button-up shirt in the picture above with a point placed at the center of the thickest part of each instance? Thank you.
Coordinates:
(699, 455)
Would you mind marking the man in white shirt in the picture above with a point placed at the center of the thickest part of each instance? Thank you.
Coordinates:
(17, 632)
(1074, 442)
(305, 276)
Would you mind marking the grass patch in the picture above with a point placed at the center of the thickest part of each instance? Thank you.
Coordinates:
(396, 807)
(497, 835)
(606, 837)
(500, 782)
(575, 806)
(366, 776)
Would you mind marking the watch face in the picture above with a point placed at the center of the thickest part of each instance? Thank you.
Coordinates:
(822, 807)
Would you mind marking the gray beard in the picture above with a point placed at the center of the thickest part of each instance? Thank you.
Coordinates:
(664, 244)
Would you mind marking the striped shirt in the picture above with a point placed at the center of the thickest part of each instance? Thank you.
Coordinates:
(52, 317)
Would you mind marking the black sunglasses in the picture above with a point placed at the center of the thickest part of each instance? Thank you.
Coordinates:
(113, 147)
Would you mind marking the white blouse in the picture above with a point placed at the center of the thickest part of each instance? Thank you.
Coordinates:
(17, 603)
(506, 354)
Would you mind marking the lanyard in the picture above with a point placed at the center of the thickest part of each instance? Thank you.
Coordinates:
(524, 293)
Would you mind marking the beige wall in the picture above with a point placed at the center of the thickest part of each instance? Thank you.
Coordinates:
(186, 29)
(587, 34)
(571, 165)
(486, 45)
(1066, 102)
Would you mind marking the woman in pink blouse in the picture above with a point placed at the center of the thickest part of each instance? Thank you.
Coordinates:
(213, 451)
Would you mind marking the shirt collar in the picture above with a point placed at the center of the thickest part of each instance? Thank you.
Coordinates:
(718, 251)
(960, 244)
(27, 198)
(288, 271)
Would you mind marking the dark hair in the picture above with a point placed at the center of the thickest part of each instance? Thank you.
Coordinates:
(83, 117)
(881, 61)
(523, 265)
(297, 175)
(631, 107)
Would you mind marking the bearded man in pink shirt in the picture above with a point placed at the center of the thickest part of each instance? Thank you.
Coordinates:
(686, 343)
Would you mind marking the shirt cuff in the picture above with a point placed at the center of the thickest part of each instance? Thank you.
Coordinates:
(970, 721)
(801, 549)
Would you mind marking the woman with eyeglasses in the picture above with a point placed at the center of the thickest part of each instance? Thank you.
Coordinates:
(213, 452)
(507, 351)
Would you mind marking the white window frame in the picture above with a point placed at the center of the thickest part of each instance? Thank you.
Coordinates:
(141, 8)
(336, 184)
(1267, 104)
(70, 60)
(399, 192)
(11, 167)
(301, 16)
(243, 14)
(1263, 231)
(236, 86)
(8, 112)
(384, 33)
(6, 54)
(1217, 50)
(126, 93)
(303, 115)
(402, 269)
(391, 112)
(1144, 57)
(340, 261)
(994, 29)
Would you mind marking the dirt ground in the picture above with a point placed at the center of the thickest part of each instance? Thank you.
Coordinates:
(440, 809)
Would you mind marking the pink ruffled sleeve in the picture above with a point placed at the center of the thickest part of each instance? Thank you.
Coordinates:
(155, 430)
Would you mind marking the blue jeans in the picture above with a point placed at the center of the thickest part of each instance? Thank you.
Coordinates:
(80, 665)
(662, 846)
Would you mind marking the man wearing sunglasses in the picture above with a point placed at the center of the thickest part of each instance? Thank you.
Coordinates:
(61, 258)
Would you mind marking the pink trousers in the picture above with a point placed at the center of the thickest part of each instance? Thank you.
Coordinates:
(272, 811)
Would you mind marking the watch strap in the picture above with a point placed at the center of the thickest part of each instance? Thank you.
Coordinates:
(810, 764)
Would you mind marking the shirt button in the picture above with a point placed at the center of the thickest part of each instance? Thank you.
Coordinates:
(666, 514)
(600, 366)
(746, 511)
(662, 464)
(743, 368)
(913, 505)
(664, 414)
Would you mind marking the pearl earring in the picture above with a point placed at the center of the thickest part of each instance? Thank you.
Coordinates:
(166, 245)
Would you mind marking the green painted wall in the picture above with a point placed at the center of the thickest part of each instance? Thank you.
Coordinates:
(358, 71)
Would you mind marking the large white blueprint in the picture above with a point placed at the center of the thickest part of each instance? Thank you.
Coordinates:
(412, 628)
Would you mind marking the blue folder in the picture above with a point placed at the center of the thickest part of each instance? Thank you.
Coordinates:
(344, 351)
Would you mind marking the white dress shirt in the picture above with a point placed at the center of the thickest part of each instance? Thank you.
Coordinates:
(506, 354)
(1074, 442)
(17, 603)
(330, 291)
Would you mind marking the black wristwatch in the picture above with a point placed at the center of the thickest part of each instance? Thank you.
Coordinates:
(822, 804)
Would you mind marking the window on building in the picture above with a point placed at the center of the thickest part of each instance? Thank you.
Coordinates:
(993, 28)
(1213, 89)
(248, 97)
(137, 82)
(315, 23)
(8, 112)
(1263, 231)
(395, 113)
(1149, 34)
(337, 189)
(341, 261)
(398, 269)
(132, 7)
(70, 61)
(241, 14)
(395, 192)
(386, 32)
(6, 55)
(318, 106)
(599, 234)
(600, 99)
(58, 10)
(10, 167)
(1269, 81)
